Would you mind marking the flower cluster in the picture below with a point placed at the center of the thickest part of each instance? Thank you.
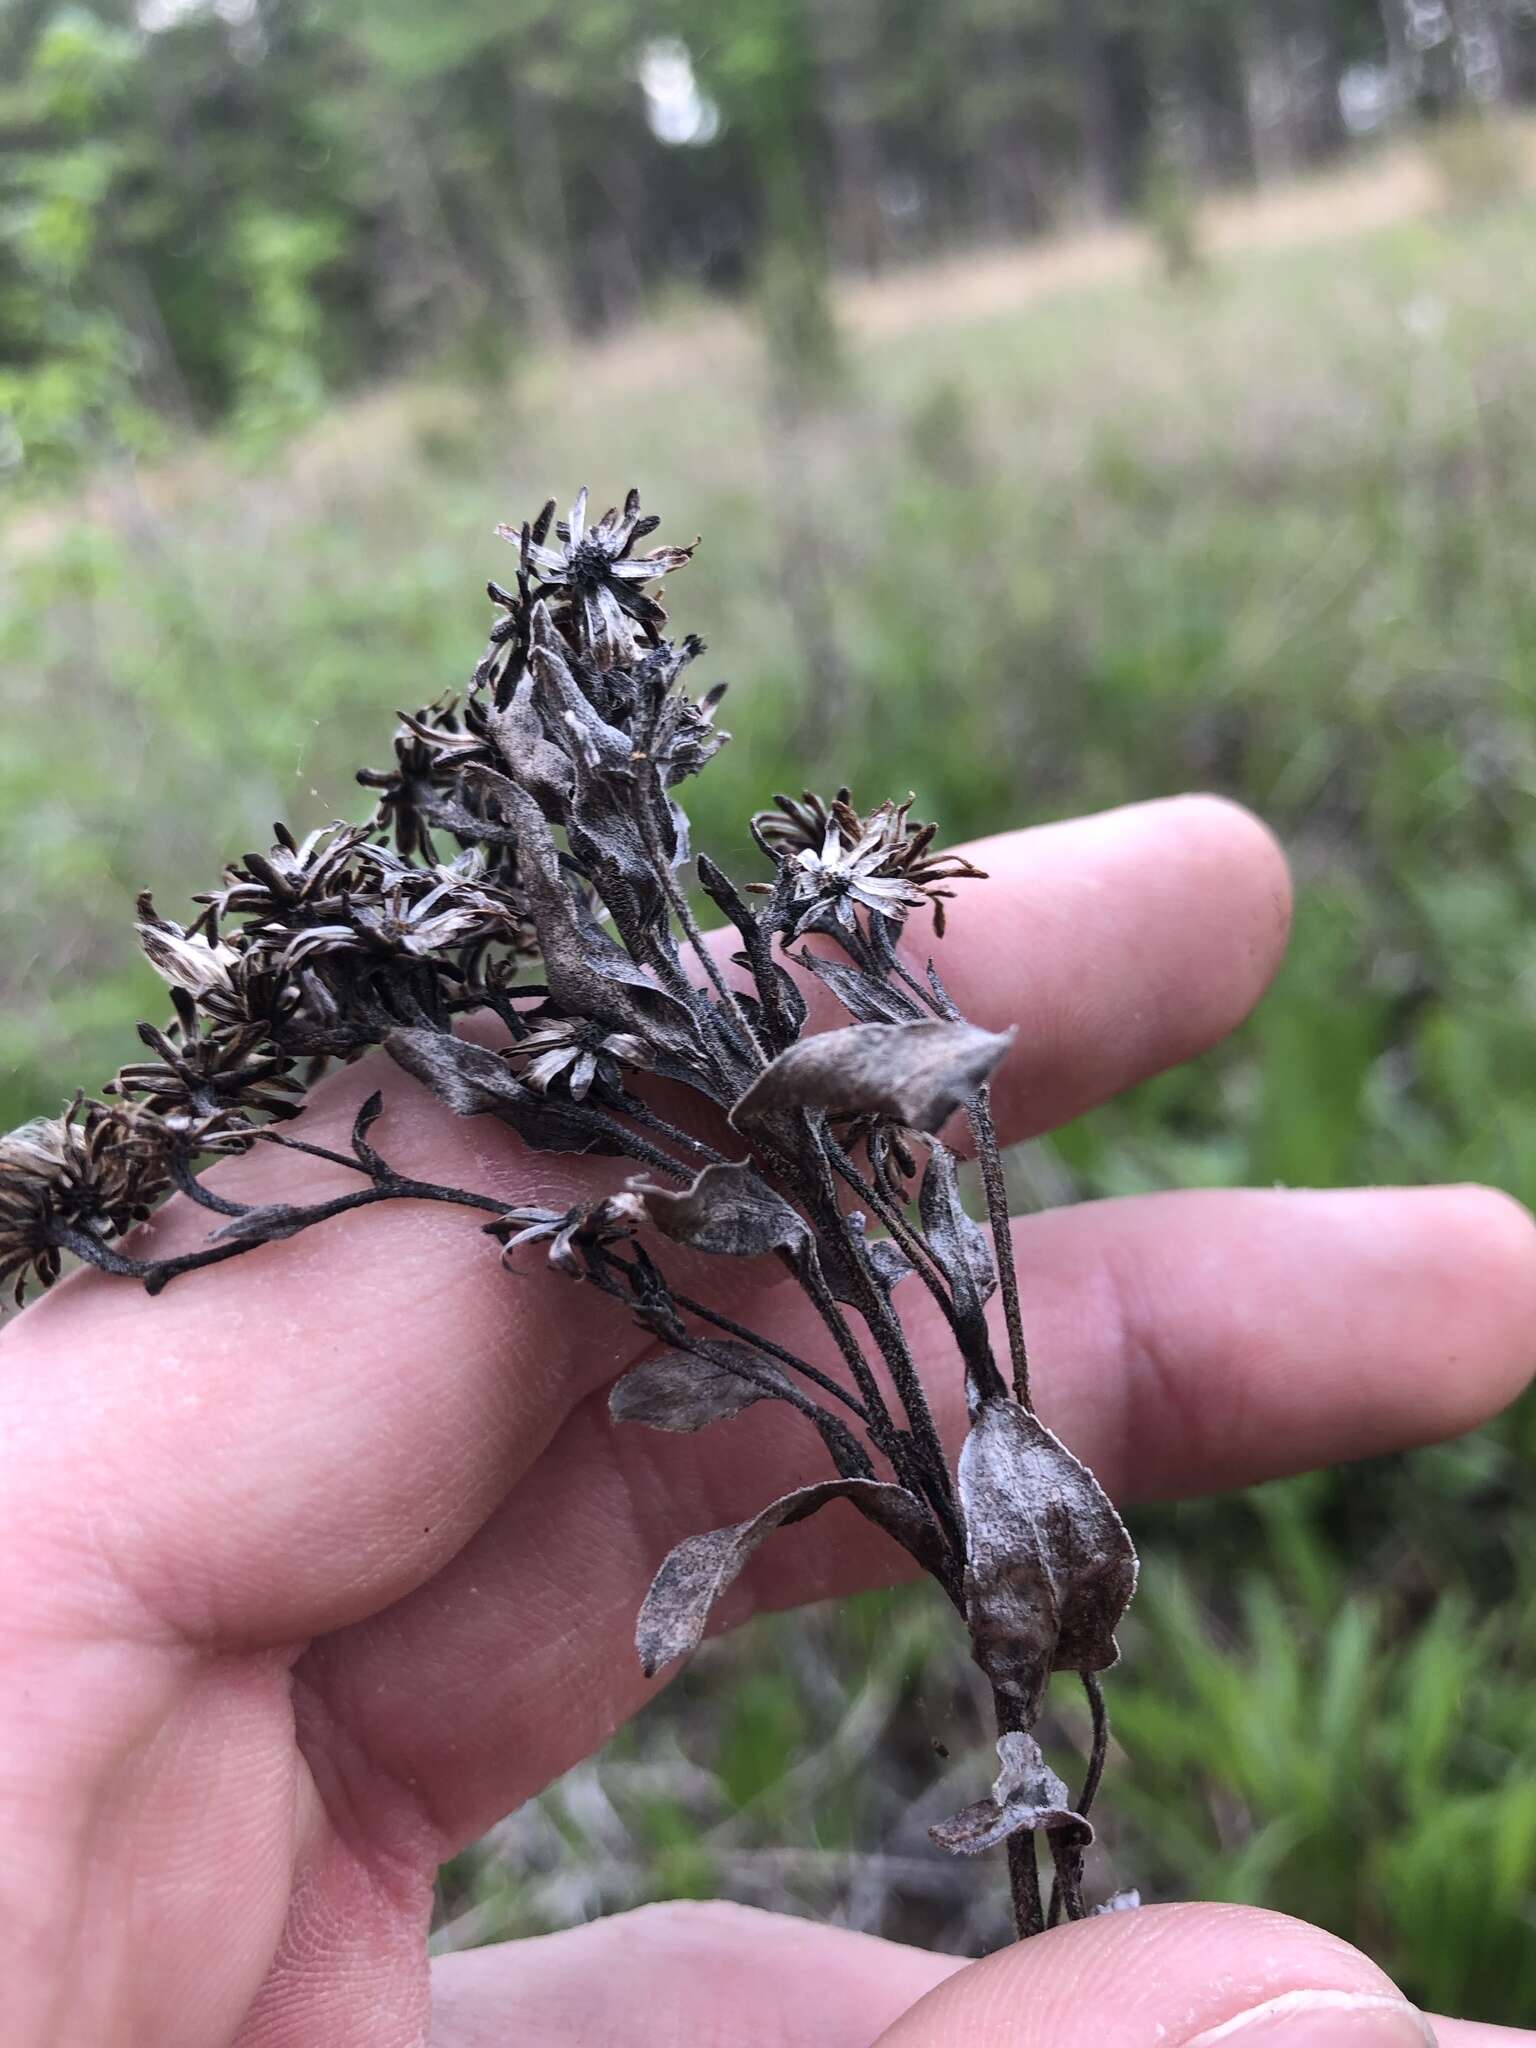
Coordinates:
(528, 860)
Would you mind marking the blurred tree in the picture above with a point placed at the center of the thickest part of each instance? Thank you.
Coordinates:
(224, 209)
(67, 366)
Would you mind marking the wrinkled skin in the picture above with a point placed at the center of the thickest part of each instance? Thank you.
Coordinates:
(324, 1560)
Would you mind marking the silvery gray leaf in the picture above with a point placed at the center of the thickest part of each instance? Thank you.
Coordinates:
(517, 732)
(606, 844)
(886, 1262)
(726, 1208)
(695, 1574)
(890, 1262)
(1049, 1567)
(861, 995)
(1027, 1794)
(469, 1078)
(959, 1243)
(570, 720)
(587, 973)
(681, 1391)
(472, 1081)
(914, 1074)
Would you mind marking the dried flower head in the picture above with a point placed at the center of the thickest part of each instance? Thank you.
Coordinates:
(570, 1053)
(593, 573)
(839, 862)
(534, 818)
(81, 1178)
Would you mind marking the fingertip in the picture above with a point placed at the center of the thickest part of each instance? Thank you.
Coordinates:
(1486, 1245)
(1171, 1974)
(1123, 943)
(1223, 884)
(1238, 849)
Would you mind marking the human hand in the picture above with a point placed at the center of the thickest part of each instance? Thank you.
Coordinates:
(324, 1560)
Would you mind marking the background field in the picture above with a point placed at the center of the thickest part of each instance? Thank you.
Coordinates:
(1065, 533)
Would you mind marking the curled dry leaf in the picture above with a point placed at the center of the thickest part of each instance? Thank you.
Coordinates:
(726, 1208)
(844, 1262)
(518, 734)
(1049, 1567)
(914, 1074)
(695, 1574)
(683, 1391)
(1027, 1794)
(465, 1076)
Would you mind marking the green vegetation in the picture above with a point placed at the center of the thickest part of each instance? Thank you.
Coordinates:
(1272, 536)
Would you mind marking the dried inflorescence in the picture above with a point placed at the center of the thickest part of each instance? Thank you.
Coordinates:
(524, 861)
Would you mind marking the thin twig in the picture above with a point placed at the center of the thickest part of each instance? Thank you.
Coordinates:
(979, 1114)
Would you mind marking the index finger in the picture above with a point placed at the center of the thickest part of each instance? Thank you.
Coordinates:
(290, 1442)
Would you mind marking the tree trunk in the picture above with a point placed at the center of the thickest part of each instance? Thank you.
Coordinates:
(1106, 153)
(843, 33)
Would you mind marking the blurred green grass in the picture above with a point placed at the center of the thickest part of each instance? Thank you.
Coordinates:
(1271, 533)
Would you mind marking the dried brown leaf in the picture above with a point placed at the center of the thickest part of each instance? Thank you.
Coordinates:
(682, 1391)
(474, 1082)
(695, 1574)
(1049, 1567)
(960, 1245)
(1027, 1794)
(264, 1225)
(727, 1208)
(914, 1074)
(861, 995)
(588, 974)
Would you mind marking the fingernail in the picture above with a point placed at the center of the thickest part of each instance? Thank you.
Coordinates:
(1323, 2019)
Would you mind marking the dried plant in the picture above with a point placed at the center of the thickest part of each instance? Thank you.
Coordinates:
(560, 912)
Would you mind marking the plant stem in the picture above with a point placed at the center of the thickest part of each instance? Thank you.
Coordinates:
(885, 1327)
(995, 1186)
(1023, 1865)
(685, 917)
(1068, 1889)
(771, 1350)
